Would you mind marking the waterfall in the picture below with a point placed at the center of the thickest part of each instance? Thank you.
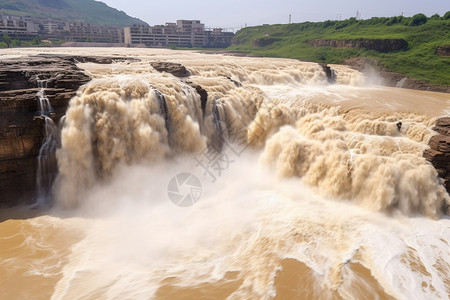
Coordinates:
(163, 109)
(401, 82)
(45, 109)
(332, 76)
(47, 164)
(217, 138)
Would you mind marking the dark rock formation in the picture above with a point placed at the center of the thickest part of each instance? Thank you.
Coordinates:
(443, 50)
(21, 134)
(203, 97)
(439, 152)
(236, 83)
(329, 73)
(175, 69)
(380, 45)
(202, 92)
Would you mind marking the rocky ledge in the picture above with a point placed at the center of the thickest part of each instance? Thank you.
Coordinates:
(175, 69)
(439, 152)
(380, 45)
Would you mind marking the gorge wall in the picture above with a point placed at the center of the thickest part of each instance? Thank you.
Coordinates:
(439, 152)
(21, 131)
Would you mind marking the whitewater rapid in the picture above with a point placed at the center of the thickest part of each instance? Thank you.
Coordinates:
(316, 192)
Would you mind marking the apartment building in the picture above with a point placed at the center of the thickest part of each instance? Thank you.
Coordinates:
(18, 27)
(83, 31)
(183, 33)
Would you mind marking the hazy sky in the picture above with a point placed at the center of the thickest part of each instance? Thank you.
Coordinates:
(237, 13)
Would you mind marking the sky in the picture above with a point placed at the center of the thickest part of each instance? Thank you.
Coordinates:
(234, 14)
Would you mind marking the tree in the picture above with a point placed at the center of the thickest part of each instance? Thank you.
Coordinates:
(35, 41)
(435, 17)
(7, 40)
(418, 19)
(16, 43)
(392, 21)
(446, 15)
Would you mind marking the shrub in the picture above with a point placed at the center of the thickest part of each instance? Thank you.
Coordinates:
(392, 21)
(418, 19)
(7, 40)
(446, 15)
(16, 43)
(35, 41)
(328, 23)
(435, 17)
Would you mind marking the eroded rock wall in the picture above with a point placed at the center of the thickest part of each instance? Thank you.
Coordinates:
(439, 152)
(21, 134)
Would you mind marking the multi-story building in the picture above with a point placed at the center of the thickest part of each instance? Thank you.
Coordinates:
(82, 32)
(18, 27)
(52, 27)
(183, 33)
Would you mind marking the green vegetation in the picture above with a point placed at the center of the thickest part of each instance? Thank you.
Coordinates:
(424, 35)
(7, 40)
(69, 10)
(10, 43)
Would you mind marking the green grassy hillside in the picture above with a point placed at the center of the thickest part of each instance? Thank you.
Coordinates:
(419, 60)
(68, 10)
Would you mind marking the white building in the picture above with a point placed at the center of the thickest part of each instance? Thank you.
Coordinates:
(183, 33)
(18, 27)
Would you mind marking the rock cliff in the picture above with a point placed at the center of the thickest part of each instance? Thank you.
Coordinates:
(21, 134)
(21, 128)
(439, 152)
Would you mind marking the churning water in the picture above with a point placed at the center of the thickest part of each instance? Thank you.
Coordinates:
(282, 186)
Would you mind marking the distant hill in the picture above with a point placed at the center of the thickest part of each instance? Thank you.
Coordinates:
(68, 10)
(415, 46)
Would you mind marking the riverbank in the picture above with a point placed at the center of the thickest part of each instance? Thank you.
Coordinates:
(400, 49)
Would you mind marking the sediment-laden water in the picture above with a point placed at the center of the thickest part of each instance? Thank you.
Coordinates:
(303, 189)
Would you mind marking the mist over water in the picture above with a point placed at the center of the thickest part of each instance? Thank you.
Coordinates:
(316, 191)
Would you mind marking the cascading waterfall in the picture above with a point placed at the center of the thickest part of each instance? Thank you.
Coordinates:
(47, 164)
(318, 192)
(325, 148)
(401, 82)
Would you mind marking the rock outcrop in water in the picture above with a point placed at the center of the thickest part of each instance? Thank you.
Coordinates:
(175, 69)
(329, 73)
(439, 152)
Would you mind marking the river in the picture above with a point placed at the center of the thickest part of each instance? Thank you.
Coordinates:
(282, 186)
